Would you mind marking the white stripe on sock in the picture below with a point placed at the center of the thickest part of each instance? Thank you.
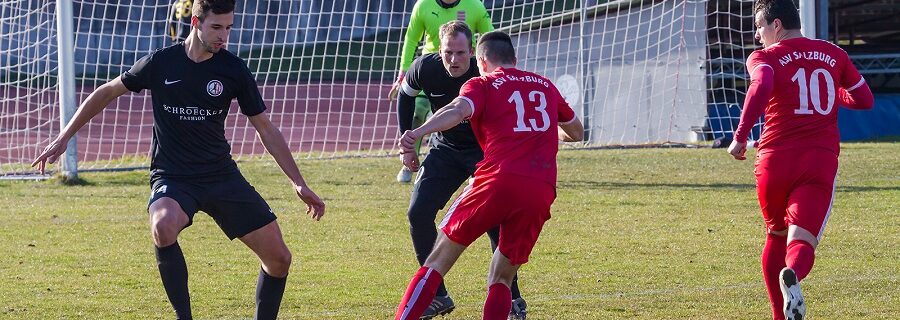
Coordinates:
(415, 295)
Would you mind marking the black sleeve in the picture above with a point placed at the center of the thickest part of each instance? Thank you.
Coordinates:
(414, 74)
(249, 98)
(406, 106)
(139, 76)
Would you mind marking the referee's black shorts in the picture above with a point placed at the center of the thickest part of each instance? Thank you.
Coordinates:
(229, 199)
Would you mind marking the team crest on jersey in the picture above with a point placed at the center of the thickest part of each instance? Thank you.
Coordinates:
(461, 15)
(214, 88)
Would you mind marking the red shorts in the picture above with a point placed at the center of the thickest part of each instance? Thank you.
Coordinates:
(518, 204)
(796, 187)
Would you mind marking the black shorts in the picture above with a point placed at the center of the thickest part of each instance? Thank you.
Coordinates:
(442, 172)
(446, 163)
(229, 199)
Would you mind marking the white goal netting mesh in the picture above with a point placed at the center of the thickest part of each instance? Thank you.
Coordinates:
(637, 72)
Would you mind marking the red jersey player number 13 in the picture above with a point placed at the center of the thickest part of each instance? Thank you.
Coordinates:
(511, 111)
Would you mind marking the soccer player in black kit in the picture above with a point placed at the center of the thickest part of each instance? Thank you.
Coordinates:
(454, 152)
(192, 85)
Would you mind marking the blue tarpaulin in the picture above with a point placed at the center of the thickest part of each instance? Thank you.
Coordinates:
(881, 121)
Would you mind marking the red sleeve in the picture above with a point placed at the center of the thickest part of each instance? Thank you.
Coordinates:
(564, 112)
(762, 84)
(854, 92)
(860, 98)
(473, 92)
(850, 77)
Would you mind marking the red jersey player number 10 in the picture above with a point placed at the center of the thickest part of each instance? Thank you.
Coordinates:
(810, 91)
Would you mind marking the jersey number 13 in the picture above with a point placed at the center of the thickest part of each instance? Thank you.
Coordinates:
(534, 96)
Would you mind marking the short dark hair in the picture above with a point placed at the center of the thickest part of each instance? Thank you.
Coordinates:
(202, 7)
(496, 47)
(454, 27)
(783, 10)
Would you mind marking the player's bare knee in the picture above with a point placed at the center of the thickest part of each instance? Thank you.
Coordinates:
(438, 263)
(284, 259)
(279, 264)
(502, 270)
(165, 224)
(506, 282)
(164, 232)
(505, 278)
(444, 254)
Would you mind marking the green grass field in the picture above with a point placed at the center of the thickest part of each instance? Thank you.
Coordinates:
(635, 234)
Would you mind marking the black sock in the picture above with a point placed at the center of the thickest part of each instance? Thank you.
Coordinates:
(514, 288)
(269, 291)
(174, 274)
(442, 290)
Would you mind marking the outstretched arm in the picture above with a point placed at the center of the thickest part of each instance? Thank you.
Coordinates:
(447, 117)
(274, 142)
(90, 107)
(571, 131)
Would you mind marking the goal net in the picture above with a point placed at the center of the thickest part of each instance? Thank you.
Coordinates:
(637, 72)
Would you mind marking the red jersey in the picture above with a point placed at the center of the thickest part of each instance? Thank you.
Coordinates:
(802, 111)
(515, 115)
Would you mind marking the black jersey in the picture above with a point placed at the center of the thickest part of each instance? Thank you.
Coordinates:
(427, 73)
(190, 103)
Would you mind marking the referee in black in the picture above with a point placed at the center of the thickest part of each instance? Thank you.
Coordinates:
(192, 85)
(453, 154)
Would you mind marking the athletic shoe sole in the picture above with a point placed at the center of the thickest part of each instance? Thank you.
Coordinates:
(794, 305)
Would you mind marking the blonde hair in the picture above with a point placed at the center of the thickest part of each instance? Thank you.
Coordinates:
(454, 27)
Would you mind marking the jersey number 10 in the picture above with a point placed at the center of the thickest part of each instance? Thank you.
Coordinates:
(811, 92)
(534, 96)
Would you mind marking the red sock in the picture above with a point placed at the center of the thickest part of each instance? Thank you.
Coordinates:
(419, 293)
(800, 256)
(498, 303)
(772, 262)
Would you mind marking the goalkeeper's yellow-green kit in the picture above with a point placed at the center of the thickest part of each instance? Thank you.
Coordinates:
(427, 18)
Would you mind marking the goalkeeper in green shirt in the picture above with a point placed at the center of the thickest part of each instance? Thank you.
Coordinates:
(427, 18)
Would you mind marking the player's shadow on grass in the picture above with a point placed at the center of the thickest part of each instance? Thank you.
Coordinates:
(640, 185)
(865, 189)
(697, 186)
